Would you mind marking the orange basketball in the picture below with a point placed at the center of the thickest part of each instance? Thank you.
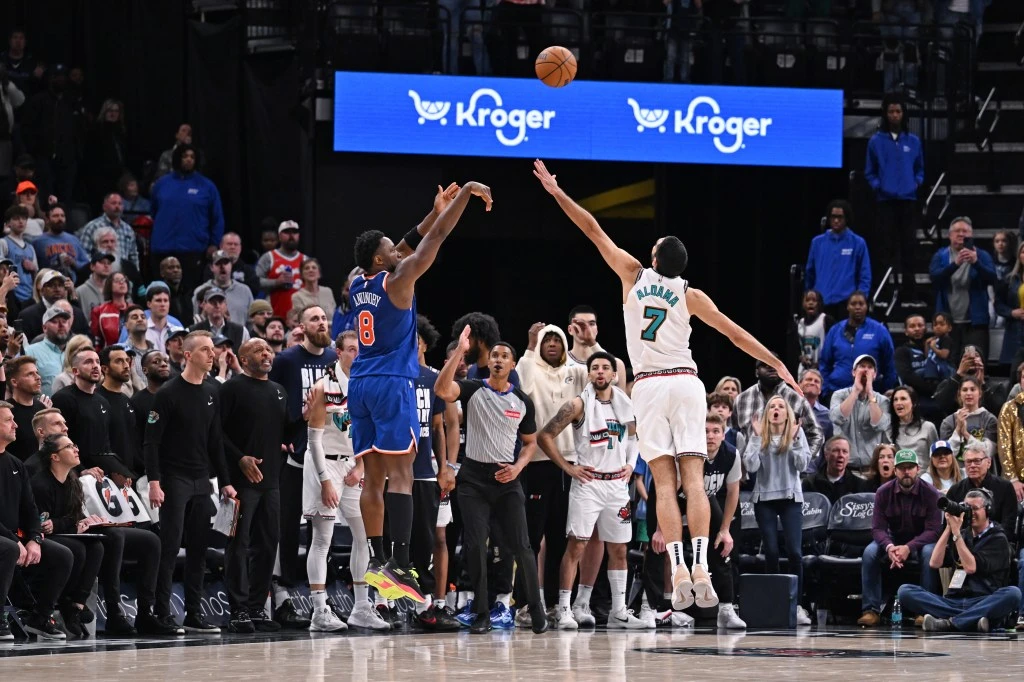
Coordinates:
(555, 66)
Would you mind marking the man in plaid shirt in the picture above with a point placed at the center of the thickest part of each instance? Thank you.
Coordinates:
(127, 247)
(749, 404)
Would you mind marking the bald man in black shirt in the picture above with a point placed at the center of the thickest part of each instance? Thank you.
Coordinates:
(254, 412)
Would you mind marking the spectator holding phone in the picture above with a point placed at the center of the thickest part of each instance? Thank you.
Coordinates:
(961, 274)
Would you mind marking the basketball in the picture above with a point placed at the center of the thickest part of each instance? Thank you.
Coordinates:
(555, 66)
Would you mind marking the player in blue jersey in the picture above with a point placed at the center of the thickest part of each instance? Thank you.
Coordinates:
(382, 396)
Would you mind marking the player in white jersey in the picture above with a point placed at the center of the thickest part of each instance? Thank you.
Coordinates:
(332, 477)
(601, 416)
(668, 399)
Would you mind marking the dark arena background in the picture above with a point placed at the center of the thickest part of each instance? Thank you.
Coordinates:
(759, 132)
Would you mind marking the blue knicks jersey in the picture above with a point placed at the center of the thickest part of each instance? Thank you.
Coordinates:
(387, 335)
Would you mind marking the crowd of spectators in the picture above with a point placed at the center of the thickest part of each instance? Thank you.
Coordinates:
(95, 321)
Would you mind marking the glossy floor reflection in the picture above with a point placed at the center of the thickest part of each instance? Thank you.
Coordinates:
(565, 656)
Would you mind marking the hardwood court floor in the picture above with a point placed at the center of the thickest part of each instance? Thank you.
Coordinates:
(846, 654)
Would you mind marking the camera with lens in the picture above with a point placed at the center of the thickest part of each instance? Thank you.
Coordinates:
(956, 509)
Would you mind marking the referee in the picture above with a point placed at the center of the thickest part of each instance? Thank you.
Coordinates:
(488, 483)
(184, 449)
(254, 411)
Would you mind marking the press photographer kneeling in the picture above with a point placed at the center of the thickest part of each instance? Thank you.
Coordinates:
(977, 599)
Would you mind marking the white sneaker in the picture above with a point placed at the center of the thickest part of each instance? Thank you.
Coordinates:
(802, 618)
(682, 588)
(365, 616)
(625, 620)
(703, 592)
(728, 619)
(584, 618)
(564, 620)
(648, 615)
(523, 618)
(681, 619)
(324, 620)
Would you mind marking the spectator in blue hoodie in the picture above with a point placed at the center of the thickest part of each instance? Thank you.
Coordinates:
(188, 220)
(858, 335)
(961, 275)
(838, 262)
(895, 170)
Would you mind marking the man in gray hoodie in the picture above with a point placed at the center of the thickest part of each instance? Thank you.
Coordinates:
(551, 380)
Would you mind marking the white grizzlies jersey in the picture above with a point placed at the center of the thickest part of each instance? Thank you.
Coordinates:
(338, 430)
(611, 456)
(657, 323)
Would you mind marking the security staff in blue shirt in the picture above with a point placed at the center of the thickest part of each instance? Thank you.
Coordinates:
(895, 170)
(838, 262)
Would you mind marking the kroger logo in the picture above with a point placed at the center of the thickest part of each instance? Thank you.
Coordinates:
(476, 115)
(703, 117)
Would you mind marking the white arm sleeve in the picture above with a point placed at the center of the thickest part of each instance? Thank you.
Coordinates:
(316, 451)
(632, 450)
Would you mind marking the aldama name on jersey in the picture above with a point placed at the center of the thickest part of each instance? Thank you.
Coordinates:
(610, 435)
(658, 291)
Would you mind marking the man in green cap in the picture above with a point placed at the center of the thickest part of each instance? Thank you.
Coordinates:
(906, 523)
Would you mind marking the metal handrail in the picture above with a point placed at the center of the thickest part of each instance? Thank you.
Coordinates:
(932, 231)
(878, 293)
(995, 120)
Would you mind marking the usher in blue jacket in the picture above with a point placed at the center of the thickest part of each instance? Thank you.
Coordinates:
(187, 214)
(894, 168)
(838, 265)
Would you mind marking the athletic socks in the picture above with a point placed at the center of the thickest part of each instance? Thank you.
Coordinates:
(583, 593)
(361, 592)
(675, 555)
(422, 606)
(399, 508)
(700, 552)
(379, 600)
(376, 544)
(617, 580)
(667, 596)
(505, 599)
(319, 599)
(563, 598)
(464, 598)
(280, 595)
(440, 603)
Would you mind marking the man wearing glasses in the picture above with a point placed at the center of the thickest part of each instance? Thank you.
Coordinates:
(977, 600)
(838, 262)
(977, 464)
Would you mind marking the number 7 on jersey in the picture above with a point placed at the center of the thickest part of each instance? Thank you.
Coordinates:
(657, 318)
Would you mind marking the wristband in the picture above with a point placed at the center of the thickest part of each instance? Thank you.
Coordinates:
(412, 238)
(454, 467)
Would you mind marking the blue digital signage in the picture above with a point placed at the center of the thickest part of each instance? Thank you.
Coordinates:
(591, 120)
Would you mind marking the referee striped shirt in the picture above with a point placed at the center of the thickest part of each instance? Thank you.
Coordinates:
(494, 420)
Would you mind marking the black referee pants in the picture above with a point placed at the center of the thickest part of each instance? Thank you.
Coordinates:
(480, 495)
(186, 511)
(249, 557)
